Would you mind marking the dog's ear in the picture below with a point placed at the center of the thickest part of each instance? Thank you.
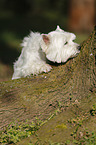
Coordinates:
(58, 29)
(46, 39)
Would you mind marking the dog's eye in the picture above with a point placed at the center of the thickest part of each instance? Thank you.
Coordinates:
(66, 43)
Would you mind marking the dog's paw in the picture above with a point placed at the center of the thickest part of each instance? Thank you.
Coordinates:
(46, 68)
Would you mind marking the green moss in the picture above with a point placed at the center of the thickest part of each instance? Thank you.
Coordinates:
(15, 132)
(61, 126)
(93, 110)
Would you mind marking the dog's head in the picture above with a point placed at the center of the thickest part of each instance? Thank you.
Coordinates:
(58, 45)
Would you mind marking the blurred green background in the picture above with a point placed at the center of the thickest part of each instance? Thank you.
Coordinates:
(19, 17)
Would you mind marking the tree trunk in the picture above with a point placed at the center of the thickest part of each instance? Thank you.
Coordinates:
(38, 96)
(82, 15)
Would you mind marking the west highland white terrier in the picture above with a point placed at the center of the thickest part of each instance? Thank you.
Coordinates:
(56, 46)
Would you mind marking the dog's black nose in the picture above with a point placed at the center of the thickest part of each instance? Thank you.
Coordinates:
(79, 47)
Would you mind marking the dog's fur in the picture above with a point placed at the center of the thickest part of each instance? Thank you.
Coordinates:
(56, 46)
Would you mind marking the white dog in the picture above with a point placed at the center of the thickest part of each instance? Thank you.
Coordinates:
(56, 46)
